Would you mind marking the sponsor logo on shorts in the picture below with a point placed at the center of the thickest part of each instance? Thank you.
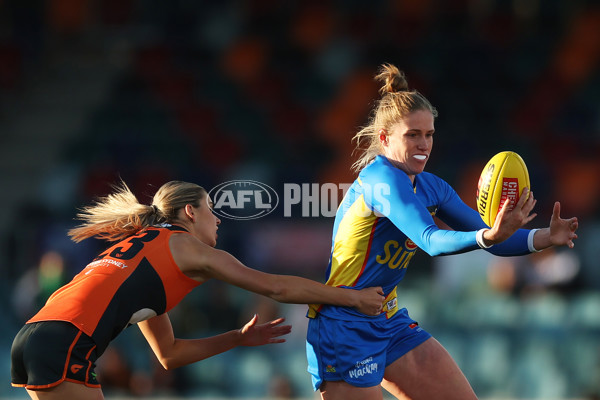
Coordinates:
(364, 367)
(330, 368)
(75, 368)
(415, 325)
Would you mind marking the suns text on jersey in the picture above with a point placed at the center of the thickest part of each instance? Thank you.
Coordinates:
(395, 255)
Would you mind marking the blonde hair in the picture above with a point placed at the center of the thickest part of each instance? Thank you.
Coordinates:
(120, 214)
(396, 102)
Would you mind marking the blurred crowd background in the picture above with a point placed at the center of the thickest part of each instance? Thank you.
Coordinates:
(93, 91)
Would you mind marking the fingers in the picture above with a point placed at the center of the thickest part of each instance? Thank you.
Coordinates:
(252, 322)
(524, 206)
(281, 330)
(275, 327)
(505, 208)
(528, 207)
(556, 210)
(380, 308)
(276, 321)
(529, 218)
(275, 332)
(574, 224)
(524, 198)
(530, 202)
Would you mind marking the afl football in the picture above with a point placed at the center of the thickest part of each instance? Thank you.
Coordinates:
(502, 178)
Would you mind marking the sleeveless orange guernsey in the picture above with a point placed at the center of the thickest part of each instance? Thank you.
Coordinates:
(132, 281)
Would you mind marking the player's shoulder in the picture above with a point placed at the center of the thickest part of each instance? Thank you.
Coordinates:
(428, 177)
(433, 183)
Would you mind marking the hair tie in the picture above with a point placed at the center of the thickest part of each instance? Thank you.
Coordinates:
(155, 209)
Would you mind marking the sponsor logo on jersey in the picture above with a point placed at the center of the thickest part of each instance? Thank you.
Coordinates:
(395, 255)
(105, 262)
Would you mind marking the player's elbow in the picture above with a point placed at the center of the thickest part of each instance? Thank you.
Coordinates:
(169, 363)
(167, 359)
(433, 252)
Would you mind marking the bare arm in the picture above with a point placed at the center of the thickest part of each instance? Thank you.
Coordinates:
(172, 352)
(198, 259)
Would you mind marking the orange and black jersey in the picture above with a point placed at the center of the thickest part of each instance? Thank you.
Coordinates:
(132, 281)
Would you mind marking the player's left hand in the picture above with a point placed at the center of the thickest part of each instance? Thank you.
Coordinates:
(562, 231)
(257, 335)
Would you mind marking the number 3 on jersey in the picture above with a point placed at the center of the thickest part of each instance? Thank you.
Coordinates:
(136, 244)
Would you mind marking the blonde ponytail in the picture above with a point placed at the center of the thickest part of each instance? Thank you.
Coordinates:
(115, 217)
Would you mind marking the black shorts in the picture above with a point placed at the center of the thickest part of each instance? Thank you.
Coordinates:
(47, 353)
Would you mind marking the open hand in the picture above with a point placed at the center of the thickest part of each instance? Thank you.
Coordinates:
(257, 335)
(562, 231)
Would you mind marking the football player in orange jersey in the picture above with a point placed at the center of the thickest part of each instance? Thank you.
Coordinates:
(160, 253)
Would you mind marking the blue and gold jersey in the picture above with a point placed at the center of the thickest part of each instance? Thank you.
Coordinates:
(381, 222)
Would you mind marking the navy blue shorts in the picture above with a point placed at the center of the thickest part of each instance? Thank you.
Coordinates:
(358, 351)
(44, 354)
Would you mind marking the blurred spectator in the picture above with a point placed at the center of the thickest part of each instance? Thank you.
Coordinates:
(538, 272)
(37, 284)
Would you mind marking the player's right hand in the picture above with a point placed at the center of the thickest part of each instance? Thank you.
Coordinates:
(510, 218)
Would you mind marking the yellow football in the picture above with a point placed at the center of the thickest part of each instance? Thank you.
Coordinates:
(502, 178)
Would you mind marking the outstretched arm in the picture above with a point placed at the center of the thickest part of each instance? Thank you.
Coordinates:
(172, 352)
(198, 259)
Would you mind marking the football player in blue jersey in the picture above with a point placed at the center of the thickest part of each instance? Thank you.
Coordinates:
(387, 214)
